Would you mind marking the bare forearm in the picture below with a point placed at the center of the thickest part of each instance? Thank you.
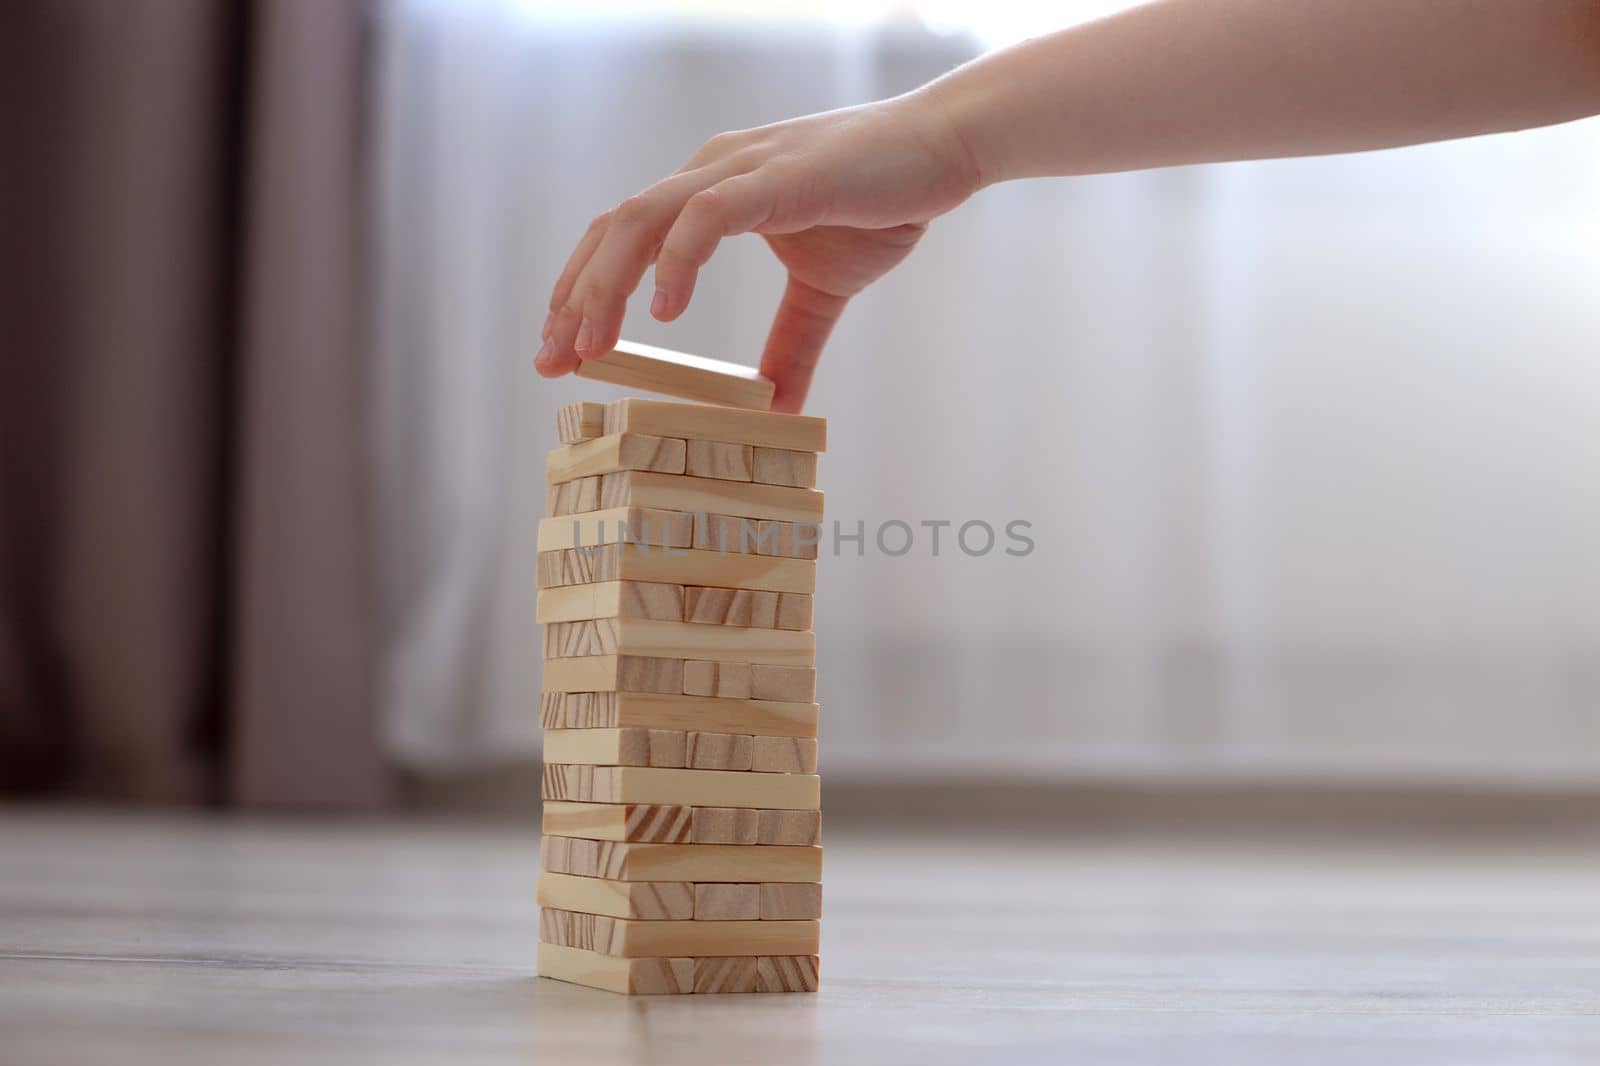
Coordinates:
(1193, 81)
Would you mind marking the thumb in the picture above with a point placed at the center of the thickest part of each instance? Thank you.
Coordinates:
(801, 327)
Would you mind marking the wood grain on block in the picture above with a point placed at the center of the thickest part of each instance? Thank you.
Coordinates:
(573, 497)
(724, 825)
(630, 938)
(726, 974)
(643, 526)
(788, 683)
(784, 827)
(791, 540)
(784, 466)
(733, 607)
(615, 599)
(719, 459)
(727, 903)
(618, 747)
(779, 755)
(657, 823)
(689, 377)
(642, 900)
(635, 977)
(765, 429)
(702, 677)
(784, 901)
(720, 751)
(679, 640)
(580, 421)
(690, 788)
(613, 673)
(679, 492)
(782, 973)
(794, 611)
(649, 710)
(616, 451)
(631, 562)
(624, 861)
(726, 533)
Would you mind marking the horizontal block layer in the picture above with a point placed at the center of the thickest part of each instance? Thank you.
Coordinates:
(616, 451)
(690, 377)
(656, 901)
(765, 429)
(652, 527)
(614, 673)
(678, 492)
(731, 863)
(679, 640)
(751, 536)
(614, 599)
(650, 710)
(694, 749)
(659, 823)
(689, 788)
(580, 421)
(630, 938)
(657, 976)
(631, 562)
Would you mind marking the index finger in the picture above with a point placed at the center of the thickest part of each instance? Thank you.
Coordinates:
(805, 318)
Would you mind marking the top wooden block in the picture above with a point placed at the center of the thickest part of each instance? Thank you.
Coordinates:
(693, 421)
(691, 377)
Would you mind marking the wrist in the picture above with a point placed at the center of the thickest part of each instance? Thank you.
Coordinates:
(940, 116)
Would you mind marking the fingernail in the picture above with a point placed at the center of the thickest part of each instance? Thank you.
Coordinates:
(585, 337)
(544, 355)
(544, 334)
(658, 302)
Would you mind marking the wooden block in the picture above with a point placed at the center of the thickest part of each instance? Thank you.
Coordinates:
(615, 599)
(791, 540)
(784, 827)
(726, 533)
(623, 861)
(784, 466)
(782, 901)
(615, 451)
(794, 611)
(779, 755)
(765, 429)
(788, 683)
(678, 492)
(689, 377)
(782, 973)
(574, 497)
(690, 788)
(733, 607)
(631, 562)
(648, 710)
(613, 673)
(720, 751)
(641, 900)
(643, 526)
(679, 640)
(702, 677)
(712, 458)
(637, 977)
(727, 903)
(643, 822)
(724, 825)
(580, 421)
(617, 747)
(726, 974)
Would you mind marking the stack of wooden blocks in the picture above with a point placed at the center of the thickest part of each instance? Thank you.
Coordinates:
(682, 829)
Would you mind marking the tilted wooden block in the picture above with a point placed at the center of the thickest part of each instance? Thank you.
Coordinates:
(615, 599)
(785, 901)
(631, 562)
(650, 710)
(580, 421)
(642, 900)
(651, 527)
(622, 861)
(690, 377)
(731, 607)
(780, 755)
(691, 788)
(701, 677)
(573, 497)
(678, 492)
(789, 683)
(725, 825)
(618, 747)
(638, 977)
(656, 823)
(719, 751)
(679, 640)
(784, 827)
(613, 673)
(711, 458)
(765, 429)
(616, 451)
(727, 903)
(781, 466)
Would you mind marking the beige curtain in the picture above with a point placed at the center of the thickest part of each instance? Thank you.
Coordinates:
(185, 570)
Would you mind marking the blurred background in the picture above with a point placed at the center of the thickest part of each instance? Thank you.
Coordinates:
(1307, 447)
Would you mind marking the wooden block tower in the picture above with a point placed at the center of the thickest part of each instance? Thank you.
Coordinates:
(682, 831)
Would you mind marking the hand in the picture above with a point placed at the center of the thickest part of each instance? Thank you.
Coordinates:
(840, 197)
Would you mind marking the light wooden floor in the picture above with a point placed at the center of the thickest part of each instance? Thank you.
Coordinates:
(164, 940)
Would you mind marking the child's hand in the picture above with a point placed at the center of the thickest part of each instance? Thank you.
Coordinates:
(840, 197)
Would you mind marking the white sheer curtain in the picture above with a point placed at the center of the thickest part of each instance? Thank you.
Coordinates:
(1308, 447)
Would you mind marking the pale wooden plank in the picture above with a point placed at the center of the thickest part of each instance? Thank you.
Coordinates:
(725, 825)
(720, 751)
(780, 755)
(618, 747)
(784, 466)
(784, 901)
(616, 451)
(766, 429)
(794, 611)
(720, 459)
(580, 421)
(751, 608)
(678, 492)
(651, 710)
(727, 903)
(680, 640)
(638, 977)
(633, 562)
(789, 683)
(573, 497)
(783, 973)
(702, 677)
(640, 900)
(691, 788)
(691, 377)
(630, 938)
(647, 526)
(614, 673)
(784, 827)
(657, 823)
(616, 599)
